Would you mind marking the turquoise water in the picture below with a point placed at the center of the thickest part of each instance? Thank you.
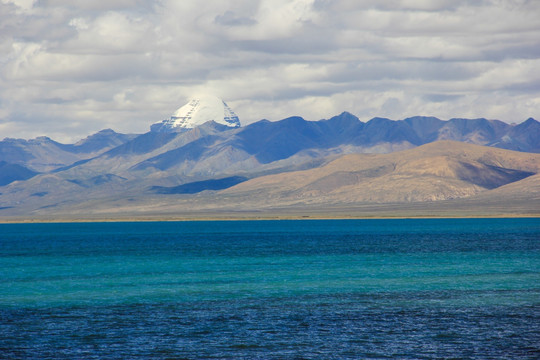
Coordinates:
(343, 289)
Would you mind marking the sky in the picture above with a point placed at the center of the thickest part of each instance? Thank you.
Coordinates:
(69, 68)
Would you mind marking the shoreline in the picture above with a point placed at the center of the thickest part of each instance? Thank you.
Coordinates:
(260, 217)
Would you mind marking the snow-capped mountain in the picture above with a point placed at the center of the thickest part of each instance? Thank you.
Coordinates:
(196, 112)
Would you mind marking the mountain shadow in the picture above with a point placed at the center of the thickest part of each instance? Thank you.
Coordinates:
(13, 172)
(199, 186)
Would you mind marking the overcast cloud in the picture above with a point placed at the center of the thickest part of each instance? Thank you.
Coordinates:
(69, 68)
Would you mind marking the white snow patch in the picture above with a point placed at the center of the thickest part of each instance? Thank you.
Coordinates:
(196, 112)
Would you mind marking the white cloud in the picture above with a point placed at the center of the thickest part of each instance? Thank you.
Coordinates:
(69, 68)
(112, 33)
(22, 5)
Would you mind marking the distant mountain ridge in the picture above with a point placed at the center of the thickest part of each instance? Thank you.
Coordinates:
(215, 156)
(43, 154)
(271, 141)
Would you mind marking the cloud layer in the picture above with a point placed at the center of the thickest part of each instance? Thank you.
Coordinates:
(71, 68)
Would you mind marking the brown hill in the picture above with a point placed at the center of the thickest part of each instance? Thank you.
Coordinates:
(437, 171)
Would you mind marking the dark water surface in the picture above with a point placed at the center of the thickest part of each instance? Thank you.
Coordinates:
(336, 289)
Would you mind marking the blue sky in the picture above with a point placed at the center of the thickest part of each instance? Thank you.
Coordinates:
(70, 68)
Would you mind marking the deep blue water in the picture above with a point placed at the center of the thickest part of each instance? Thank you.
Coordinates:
(335, 289)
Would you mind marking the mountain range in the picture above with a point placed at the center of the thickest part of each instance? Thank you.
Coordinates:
(208, 163)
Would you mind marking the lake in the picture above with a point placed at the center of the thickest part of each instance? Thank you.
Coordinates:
(287, 289)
